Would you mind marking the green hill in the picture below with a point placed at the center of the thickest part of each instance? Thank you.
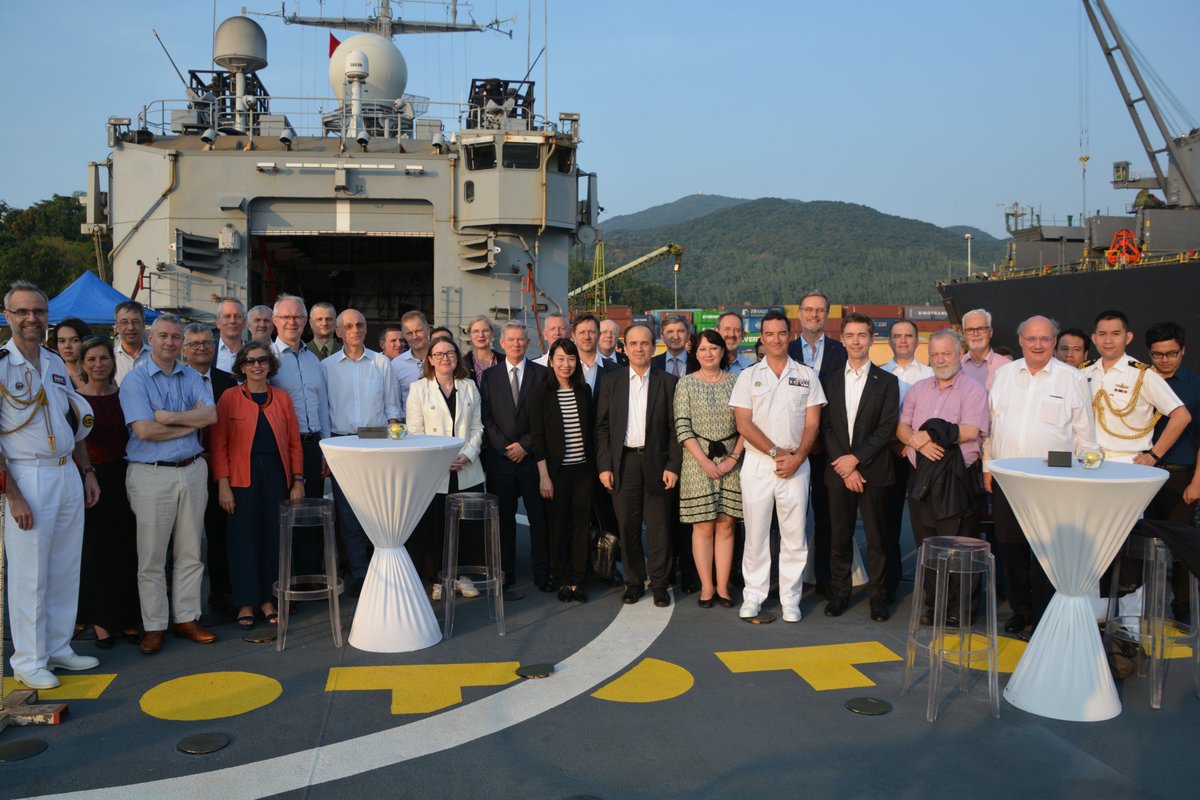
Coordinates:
(770, 251)
(681, 210)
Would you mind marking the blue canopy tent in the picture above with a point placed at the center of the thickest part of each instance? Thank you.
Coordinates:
(90, 299)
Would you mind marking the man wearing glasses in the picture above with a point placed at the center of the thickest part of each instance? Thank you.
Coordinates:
(1037, 404)
(43, 518)
(980, 361)
(199, 347)
(129, 320)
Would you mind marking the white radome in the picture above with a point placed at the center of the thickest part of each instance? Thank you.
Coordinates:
(388, 70)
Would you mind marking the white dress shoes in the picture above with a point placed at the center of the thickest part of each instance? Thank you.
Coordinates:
(791, 613)
(39, 678)
(73, 663)
(750, 609)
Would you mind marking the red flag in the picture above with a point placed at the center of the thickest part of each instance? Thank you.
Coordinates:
(333, 44)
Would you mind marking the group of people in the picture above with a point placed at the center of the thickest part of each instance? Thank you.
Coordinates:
(699, 452)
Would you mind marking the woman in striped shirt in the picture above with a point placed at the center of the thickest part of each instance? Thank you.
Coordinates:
(561, 422)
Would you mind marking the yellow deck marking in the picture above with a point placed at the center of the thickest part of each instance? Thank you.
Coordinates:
(210, 695)
(421, 688)
(823, 667)
(73, 687)
(650, 681)
(1009, 652)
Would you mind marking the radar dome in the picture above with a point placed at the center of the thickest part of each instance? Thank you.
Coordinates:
(388, 72)
(240, 45)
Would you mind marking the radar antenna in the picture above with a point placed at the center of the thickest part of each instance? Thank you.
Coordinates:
(388, 25)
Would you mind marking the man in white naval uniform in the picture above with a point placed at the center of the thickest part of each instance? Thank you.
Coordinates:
(42, 420)
(777, 405)
(1128, 396)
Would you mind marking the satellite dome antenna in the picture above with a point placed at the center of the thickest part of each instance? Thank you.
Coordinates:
(240, 46)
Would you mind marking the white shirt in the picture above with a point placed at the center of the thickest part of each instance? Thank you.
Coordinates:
(23, 383)
(1118, 382)
(639, 394)
(406, 368)
(856, 379)
(1030, 415)
(907, 376)
(519, 368)
(126, 362)
(362, 393)
(778, 403)
(225, 356)
(590, 373)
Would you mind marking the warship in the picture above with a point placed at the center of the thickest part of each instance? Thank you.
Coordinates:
(370, 198)
(1145, 262)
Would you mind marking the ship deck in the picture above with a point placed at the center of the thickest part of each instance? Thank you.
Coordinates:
(644, 703)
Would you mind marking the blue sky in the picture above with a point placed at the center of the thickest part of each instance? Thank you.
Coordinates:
(937, 110)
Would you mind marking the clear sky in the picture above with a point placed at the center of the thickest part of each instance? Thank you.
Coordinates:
(939, 110)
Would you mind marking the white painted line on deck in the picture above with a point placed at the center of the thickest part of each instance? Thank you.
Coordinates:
(619, 645)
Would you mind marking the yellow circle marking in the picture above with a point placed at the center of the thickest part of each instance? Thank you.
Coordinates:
(651, 681)
(210, 695)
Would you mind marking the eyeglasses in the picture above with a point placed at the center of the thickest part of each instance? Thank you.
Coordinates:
(975, 331)
(22, 313)
(198, 345)
(446, 355)
(287, 319)
(1168, 356)
(261, 361)
(812, 310)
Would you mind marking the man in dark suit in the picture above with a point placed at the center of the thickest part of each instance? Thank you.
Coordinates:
(857, 428)
(639, 458)
(824, 355)
(610, 337)
(507, 390)
(199, 353)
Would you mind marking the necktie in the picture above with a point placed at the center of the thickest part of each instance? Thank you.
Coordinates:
(516, 389)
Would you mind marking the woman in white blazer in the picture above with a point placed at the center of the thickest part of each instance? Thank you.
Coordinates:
(445, 403)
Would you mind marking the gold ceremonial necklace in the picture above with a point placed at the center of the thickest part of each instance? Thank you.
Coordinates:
(38, 401)
(1103, 404)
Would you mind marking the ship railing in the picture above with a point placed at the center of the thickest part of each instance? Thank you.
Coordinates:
(409, 117)
(1086, 265)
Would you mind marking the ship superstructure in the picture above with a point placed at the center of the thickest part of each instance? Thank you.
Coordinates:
(371, 198)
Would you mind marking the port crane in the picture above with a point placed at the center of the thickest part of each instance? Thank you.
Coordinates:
(597, 286)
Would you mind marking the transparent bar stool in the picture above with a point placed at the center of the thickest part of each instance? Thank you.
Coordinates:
(307, 512)
(1153, 632)
(968, 560)
(472, 506)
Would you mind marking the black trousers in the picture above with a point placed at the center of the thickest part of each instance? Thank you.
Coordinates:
(253, 532)
(308, 542)
(1029, 590)
(896, 495)
(844, 506)
(216, 556)
(427, 544)
(520, 481)
(924, 525)
(822, 524)
(635, 502)
(567, 522)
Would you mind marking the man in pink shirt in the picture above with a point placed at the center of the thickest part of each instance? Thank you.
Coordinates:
(980, 361)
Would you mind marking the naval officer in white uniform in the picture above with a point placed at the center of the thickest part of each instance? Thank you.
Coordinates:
(42, 420)
(777, 405)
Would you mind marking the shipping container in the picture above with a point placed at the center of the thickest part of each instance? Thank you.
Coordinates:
(706, 318)
(758, 311)
(792, 310)
(874, 310)
(835, 311)
(930, 326)
(925, 313)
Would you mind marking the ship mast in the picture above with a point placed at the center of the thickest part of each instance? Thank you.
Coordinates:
(386, 25)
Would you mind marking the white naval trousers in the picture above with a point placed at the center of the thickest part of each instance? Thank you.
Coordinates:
(762, 491)
(43, 563)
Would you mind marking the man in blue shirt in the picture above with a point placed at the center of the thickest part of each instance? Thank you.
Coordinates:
(166, 405)
(1176, 500)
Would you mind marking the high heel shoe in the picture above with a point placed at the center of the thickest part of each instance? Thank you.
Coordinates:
(725, 601)
(105, 643)
(704, 602)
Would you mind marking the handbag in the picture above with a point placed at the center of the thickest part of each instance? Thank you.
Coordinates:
(605, 550)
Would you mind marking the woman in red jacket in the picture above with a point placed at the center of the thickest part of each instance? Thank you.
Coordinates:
(257, 463)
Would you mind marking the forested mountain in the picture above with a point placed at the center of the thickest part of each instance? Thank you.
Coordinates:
(681, 210)
(768, 251)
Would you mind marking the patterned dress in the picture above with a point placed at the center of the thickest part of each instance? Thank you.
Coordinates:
(702, 412)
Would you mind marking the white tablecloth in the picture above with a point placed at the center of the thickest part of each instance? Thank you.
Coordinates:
(389, 484)
(1076, 521)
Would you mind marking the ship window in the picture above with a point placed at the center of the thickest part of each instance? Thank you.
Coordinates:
(481, 156)
(522, 155)
(564, 160)
(469, 191)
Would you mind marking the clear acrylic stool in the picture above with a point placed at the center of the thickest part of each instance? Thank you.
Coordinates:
(969, 560)
(305, 513)
(472, 506)
(1152, 631)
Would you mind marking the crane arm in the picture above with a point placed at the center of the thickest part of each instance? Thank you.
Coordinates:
(652, 257)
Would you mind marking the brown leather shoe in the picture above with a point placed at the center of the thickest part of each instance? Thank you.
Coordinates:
(152, 642)
(193, 631)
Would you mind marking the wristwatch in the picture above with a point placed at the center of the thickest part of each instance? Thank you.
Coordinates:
(774, 451)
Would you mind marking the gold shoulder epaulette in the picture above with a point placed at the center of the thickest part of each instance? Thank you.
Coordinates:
(1087, 363)
(1133, 362)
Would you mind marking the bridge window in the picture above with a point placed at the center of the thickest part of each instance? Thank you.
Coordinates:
(481, 156)
(522, 155)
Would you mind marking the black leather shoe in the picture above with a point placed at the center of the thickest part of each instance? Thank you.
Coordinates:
(879, 611)
(106, 643)
(578, 595)
(927, 616)
(632, 595)
(836, 607)
(725, 602)
(662, 598)
(565, 594)
(704, 602)
(1016, 623)
(952, 620)
(544, 586)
